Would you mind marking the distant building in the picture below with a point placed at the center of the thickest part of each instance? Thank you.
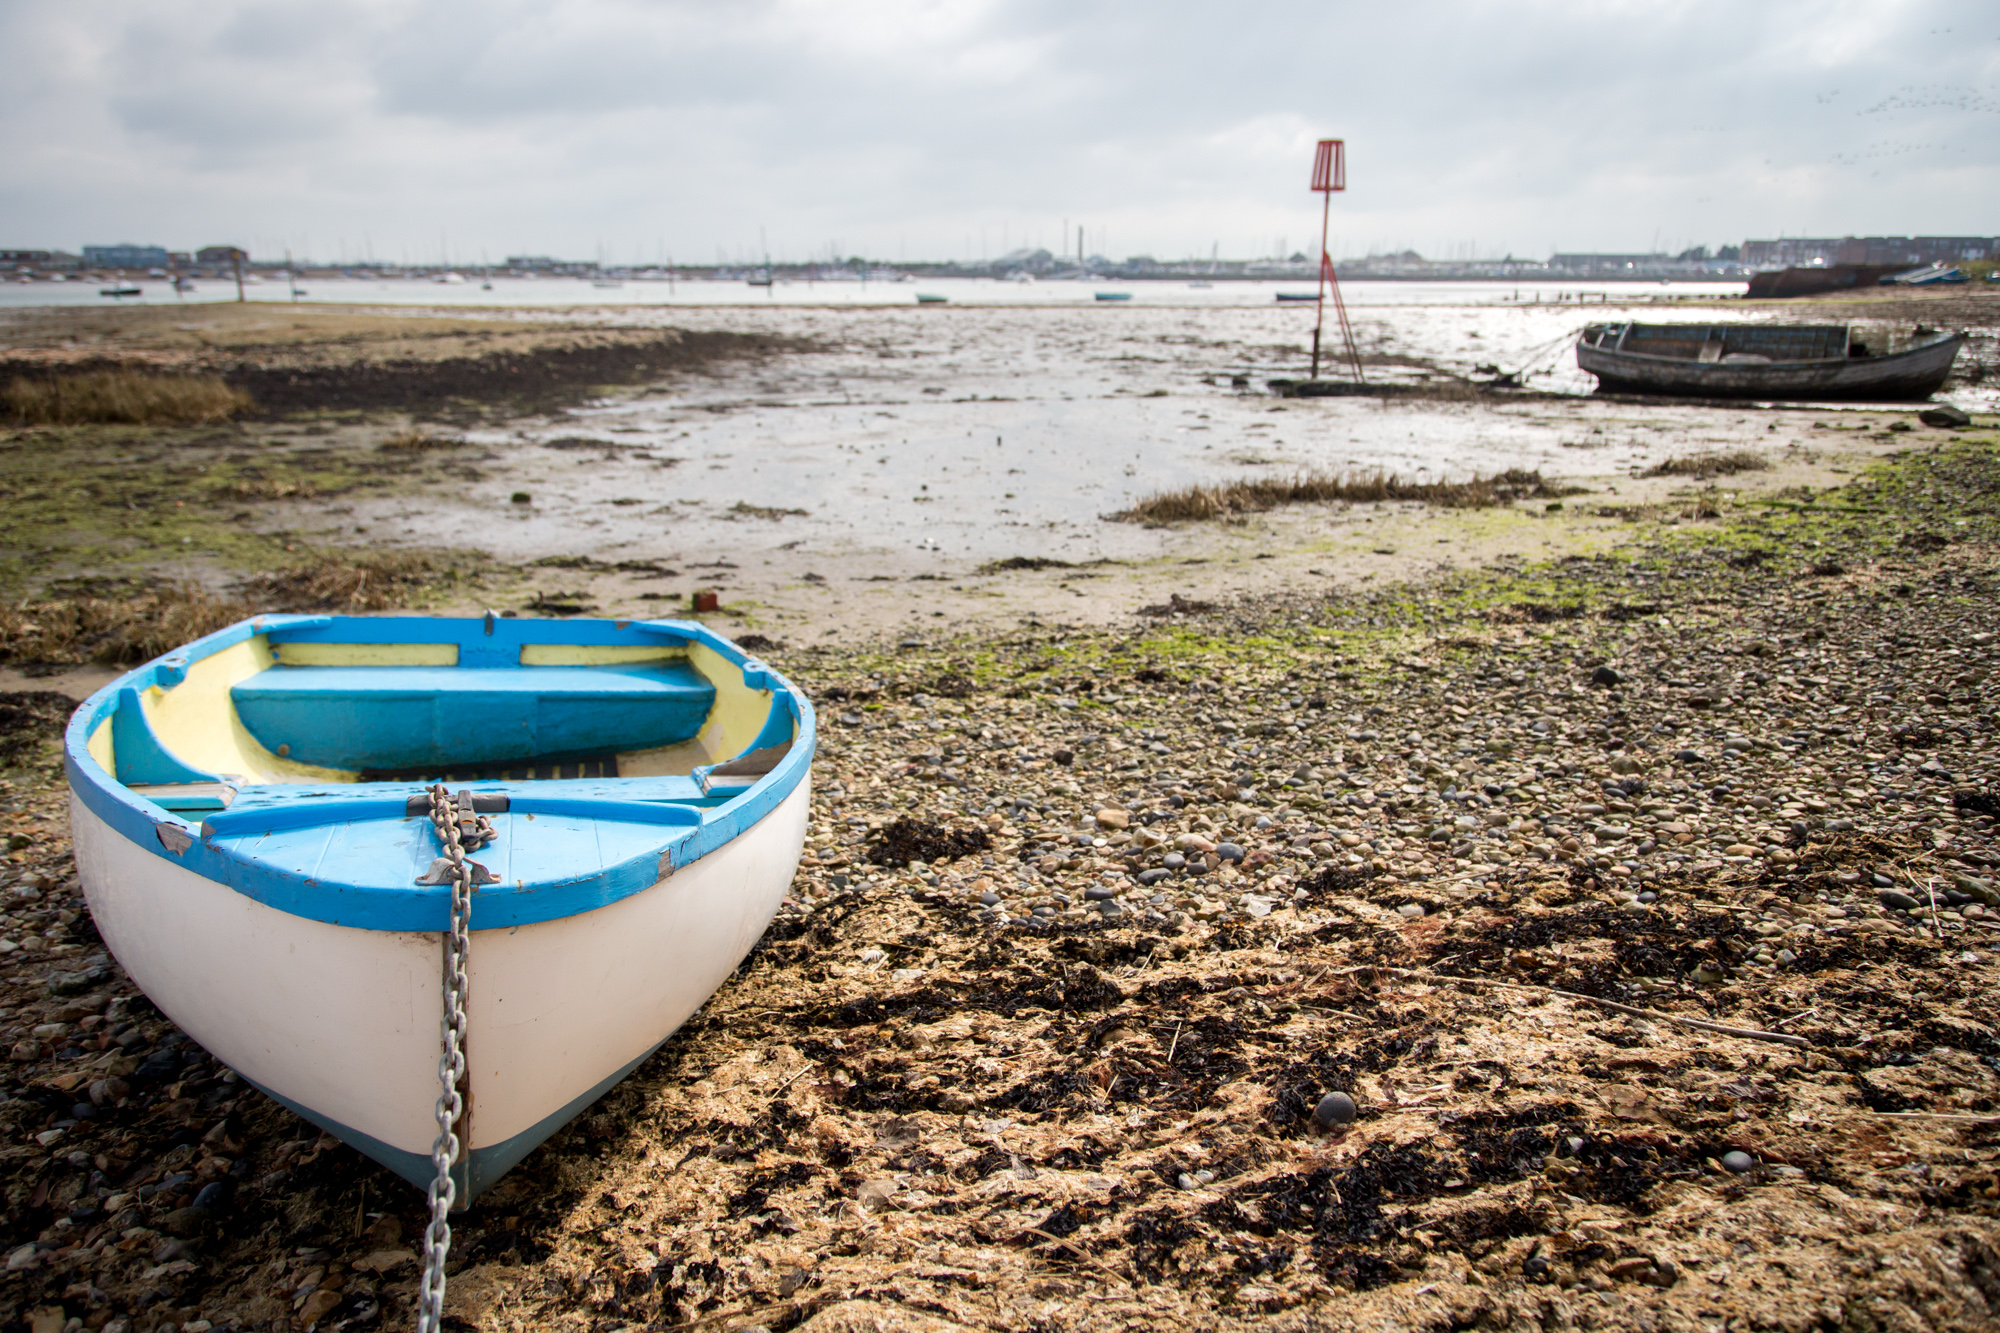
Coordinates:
(1606, 263)
(531, 262)
(220, 256)
(1809, 251)
(24, 258)
(125, 256)
(1791, 252)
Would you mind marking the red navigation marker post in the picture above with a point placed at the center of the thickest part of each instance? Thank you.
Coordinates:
(1330, 175)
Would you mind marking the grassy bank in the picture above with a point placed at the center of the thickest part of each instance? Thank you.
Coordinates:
(121, 397)
(116, 500)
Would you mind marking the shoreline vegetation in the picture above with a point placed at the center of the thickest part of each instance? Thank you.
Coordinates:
(125, 621)
(121, 397)
(1255, 495)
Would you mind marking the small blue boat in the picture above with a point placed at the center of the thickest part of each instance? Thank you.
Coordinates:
(257, 825)
(1114, 296)
(1929, 275)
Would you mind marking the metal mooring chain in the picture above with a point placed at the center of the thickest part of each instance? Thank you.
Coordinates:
(459, 830)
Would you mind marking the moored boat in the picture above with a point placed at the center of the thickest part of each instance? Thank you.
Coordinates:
(120, 289)
(253, 823)
(931, 298)
(1813, 361)
(1114, 296)
(1929, 275)
(1298, 296)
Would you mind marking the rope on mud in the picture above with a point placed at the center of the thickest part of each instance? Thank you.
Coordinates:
(1541, 350)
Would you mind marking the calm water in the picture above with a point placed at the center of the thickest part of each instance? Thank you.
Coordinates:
(570, 292)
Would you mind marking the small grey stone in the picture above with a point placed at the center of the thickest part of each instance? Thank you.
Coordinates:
(989, 899)
(1897, 900)
(1173, 860)
(1945, 416)
(1229, 851)
(1098, 893)
(1606, 677)
(1336, 1108)
(1154, 876)
(1411, 910)
(1738, 1162)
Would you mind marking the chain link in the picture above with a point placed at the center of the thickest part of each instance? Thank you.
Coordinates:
(459, 830)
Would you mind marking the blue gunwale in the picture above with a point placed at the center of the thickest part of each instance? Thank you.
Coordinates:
(692, 822)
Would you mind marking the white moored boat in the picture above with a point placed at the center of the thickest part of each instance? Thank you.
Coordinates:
(253, 830)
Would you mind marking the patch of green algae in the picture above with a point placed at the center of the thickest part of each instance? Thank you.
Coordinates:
(109, 500)
(1894, 510)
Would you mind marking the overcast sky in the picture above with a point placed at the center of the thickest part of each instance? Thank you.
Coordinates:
(632, 129)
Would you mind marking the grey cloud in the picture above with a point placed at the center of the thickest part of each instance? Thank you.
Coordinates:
(1580, 123)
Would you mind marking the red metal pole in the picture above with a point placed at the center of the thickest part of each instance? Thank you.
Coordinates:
(1319, 304)
(1340, 308)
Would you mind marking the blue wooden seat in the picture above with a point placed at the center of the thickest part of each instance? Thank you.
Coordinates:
(401, 717)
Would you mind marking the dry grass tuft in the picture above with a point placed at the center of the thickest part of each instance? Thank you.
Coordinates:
(114, 630)
(351, 583)
(266, 490)
(1255, 494)
(117, 627)
(126, 397)
(748, 510)
(1703, 466)
(413, 441)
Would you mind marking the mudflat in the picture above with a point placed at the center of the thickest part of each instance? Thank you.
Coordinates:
(1626, 859)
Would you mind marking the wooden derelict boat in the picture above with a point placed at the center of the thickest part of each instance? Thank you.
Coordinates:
(1812, 361)
(252, 830)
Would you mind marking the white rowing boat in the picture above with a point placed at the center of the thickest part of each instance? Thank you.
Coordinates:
(252, 828)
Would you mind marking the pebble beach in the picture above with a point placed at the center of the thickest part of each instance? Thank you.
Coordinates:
(1593, 929)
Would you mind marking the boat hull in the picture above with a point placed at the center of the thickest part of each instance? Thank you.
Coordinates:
(1916, 373)
(341, 1023)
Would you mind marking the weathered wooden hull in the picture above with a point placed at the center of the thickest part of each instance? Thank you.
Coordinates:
(1917, 372)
